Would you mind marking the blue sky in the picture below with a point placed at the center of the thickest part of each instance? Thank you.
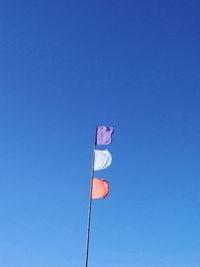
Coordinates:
(66, 66)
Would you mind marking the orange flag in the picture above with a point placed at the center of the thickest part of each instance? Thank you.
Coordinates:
(100, 188)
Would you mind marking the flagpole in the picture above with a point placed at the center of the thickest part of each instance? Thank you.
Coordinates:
(90, 204)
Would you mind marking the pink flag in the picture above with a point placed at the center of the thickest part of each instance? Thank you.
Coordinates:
(100, 188)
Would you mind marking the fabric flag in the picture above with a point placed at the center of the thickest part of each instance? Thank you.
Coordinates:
(100, 188)
(104, 135)
(102, 159)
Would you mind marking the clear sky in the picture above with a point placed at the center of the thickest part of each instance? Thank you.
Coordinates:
(66, 66)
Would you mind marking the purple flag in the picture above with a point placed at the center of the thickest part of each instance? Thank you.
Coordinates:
(104, 135)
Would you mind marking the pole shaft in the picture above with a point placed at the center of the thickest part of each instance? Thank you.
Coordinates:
(90, 204)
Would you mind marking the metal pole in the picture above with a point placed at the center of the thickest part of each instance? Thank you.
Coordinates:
(90, 204)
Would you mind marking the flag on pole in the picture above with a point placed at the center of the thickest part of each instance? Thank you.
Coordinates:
(104, 135)
(100, 188)
(102, 159)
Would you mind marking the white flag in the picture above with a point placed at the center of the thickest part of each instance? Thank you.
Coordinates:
(102, 159)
